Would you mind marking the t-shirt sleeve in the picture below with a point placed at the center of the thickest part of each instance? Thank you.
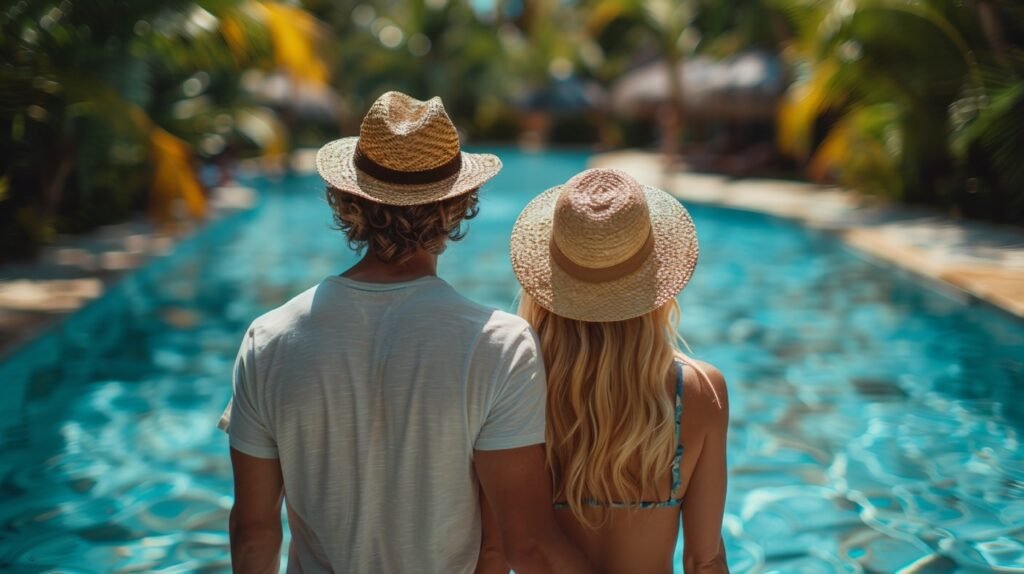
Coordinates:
(243, 419)
(516, 416)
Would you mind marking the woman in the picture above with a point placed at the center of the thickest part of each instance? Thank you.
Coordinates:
(636, 431)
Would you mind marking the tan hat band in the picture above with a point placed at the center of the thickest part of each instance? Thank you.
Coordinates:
(603, 274)
(388, 175)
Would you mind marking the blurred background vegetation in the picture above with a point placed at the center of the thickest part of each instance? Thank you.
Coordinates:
(111, 108)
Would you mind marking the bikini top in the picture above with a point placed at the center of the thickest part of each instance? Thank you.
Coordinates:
(677, 462)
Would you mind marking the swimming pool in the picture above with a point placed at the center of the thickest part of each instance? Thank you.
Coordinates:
(875, 421)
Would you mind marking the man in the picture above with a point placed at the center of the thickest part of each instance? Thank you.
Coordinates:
(379, 403)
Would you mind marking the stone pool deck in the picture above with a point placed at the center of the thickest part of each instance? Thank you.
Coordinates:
(76, 270)
(975, 261)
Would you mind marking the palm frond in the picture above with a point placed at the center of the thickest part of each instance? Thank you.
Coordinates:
(295, 34)
(864, 150)
(804, 102)
(174, 178)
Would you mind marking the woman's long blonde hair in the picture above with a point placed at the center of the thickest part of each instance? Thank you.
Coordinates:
(610, 419)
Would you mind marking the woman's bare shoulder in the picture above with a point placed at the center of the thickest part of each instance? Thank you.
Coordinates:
(706, 392)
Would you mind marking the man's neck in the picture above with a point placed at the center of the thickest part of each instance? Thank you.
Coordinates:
(372, 270)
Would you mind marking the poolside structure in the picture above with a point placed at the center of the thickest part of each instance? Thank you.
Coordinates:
(729, 107)
(743, 88)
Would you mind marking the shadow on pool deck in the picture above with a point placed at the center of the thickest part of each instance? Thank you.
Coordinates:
(77, 270)
(978, 260)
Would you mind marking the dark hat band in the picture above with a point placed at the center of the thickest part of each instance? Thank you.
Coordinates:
(602, 274)
(388, 175)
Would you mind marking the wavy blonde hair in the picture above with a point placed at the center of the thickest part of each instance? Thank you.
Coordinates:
(610, 418)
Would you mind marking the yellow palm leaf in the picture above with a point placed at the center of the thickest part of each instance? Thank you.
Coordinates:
(235, 37)
(174, 178)
(831, 153)
(803, 103)
(602, 14)
(294, 34)
(863, 149)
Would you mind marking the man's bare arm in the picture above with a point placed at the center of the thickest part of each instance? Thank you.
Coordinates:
(492, 554)
(518, 489)
(255, 522)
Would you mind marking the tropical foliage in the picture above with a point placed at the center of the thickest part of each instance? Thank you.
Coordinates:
(422, 47)
(484, 58)
(104, 105)
(110, 107)
(920, 100)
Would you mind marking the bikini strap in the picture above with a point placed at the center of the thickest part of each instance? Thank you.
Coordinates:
(677, 462)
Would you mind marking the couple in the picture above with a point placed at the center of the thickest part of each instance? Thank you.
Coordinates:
(413, 430)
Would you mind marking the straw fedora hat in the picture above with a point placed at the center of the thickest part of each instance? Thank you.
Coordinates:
(407, 153)
(603, 247)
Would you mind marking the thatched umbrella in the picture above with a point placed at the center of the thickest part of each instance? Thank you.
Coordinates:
(743, 88)
(301, 100)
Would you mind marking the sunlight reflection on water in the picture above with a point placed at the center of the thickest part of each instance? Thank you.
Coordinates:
(875, 423)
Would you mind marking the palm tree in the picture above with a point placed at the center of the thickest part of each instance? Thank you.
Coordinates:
(669, 20)
(424, 48)
(917, 96)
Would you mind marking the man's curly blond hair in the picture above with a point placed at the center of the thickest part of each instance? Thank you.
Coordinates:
(394, 233)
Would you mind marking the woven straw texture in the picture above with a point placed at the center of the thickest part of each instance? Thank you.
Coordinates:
(404, 134)
(600, 218)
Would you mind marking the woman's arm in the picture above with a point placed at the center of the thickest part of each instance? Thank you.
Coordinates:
(492, 557)
(704, 505)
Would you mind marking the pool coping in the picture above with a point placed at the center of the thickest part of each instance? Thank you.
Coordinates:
(973, 261)
(77, 272)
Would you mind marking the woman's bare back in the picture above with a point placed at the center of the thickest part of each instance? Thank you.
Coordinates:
(643, 540)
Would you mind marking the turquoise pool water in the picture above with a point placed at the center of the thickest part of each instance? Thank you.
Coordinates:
(875, 422)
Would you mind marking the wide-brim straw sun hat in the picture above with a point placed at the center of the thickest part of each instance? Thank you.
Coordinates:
(407, 153)
(602, 247)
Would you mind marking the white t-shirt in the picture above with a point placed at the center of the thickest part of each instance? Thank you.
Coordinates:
(374, 397)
